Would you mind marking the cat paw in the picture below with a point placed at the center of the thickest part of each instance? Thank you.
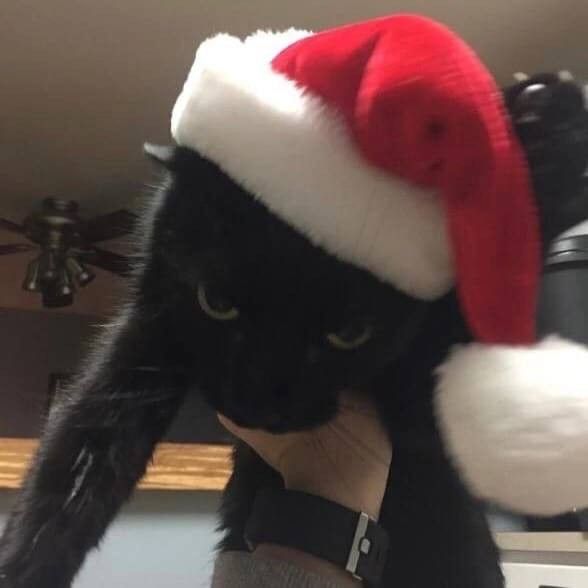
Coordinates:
(550, 116)
(550, 99)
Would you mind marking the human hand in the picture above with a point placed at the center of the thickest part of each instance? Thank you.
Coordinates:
(346, 460)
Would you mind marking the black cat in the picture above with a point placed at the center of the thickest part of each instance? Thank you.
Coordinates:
(231, 303)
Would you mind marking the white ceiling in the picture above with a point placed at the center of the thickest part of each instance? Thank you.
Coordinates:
(83, 83)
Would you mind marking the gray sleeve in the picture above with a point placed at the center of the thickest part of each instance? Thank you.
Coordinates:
(236, 569)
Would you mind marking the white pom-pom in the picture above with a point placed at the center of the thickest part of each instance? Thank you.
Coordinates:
(515, 422)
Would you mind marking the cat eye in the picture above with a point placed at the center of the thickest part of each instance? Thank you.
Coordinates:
(215, 305)
(350, 337)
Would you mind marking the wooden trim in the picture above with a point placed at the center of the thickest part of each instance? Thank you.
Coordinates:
(175, 466)
(185, 466)
(547, 541)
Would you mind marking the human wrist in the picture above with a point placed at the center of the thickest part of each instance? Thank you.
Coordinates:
(320, 527)
(308, 562)
(360, 499)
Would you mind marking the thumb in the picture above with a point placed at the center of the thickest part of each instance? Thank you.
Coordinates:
(269, 446)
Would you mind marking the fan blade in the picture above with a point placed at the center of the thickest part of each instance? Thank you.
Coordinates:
(7, 225)
(15, 248)
(107, 260)
(108, 226)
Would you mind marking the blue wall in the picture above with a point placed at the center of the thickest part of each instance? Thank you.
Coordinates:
(160, 540)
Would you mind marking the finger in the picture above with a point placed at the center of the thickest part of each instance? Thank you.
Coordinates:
(247, 435)
(226, 423)
(267, 445)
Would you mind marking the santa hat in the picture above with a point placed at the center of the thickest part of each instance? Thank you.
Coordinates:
(387, 144)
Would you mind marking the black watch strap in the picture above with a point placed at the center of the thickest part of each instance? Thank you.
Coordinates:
(346, 538)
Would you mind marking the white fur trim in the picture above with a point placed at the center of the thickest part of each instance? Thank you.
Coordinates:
(286, 147)
(515, 419)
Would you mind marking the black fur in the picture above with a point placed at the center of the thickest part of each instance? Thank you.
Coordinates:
(552, 122)
(271, 367)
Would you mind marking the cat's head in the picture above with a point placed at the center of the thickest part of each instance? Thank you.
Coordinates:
(271, 327)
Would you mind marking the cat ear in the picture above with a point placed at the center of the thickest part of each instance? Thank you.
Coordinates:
(164, 155)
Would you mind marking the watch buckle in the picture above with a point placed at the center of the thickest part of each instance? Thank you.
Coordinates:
(361, 545)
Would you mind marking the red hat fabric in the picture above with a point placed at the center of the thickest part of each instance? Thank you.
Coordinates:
(418, 104)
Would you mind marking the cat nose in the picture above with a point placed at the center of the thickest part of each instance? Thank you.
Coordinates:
(268, 421)
(253, 414)
(271, 419)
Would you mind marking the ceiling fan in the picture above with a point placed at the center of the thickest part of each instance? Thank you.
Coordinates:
(67, 246)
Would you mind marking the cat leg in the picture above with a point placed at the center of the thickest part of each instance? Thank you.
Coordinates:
(250, 473)
(96, 446)
(439, 535)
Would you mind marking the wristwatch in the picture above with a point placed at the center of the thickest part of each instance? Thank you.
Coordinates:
(314, 525)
